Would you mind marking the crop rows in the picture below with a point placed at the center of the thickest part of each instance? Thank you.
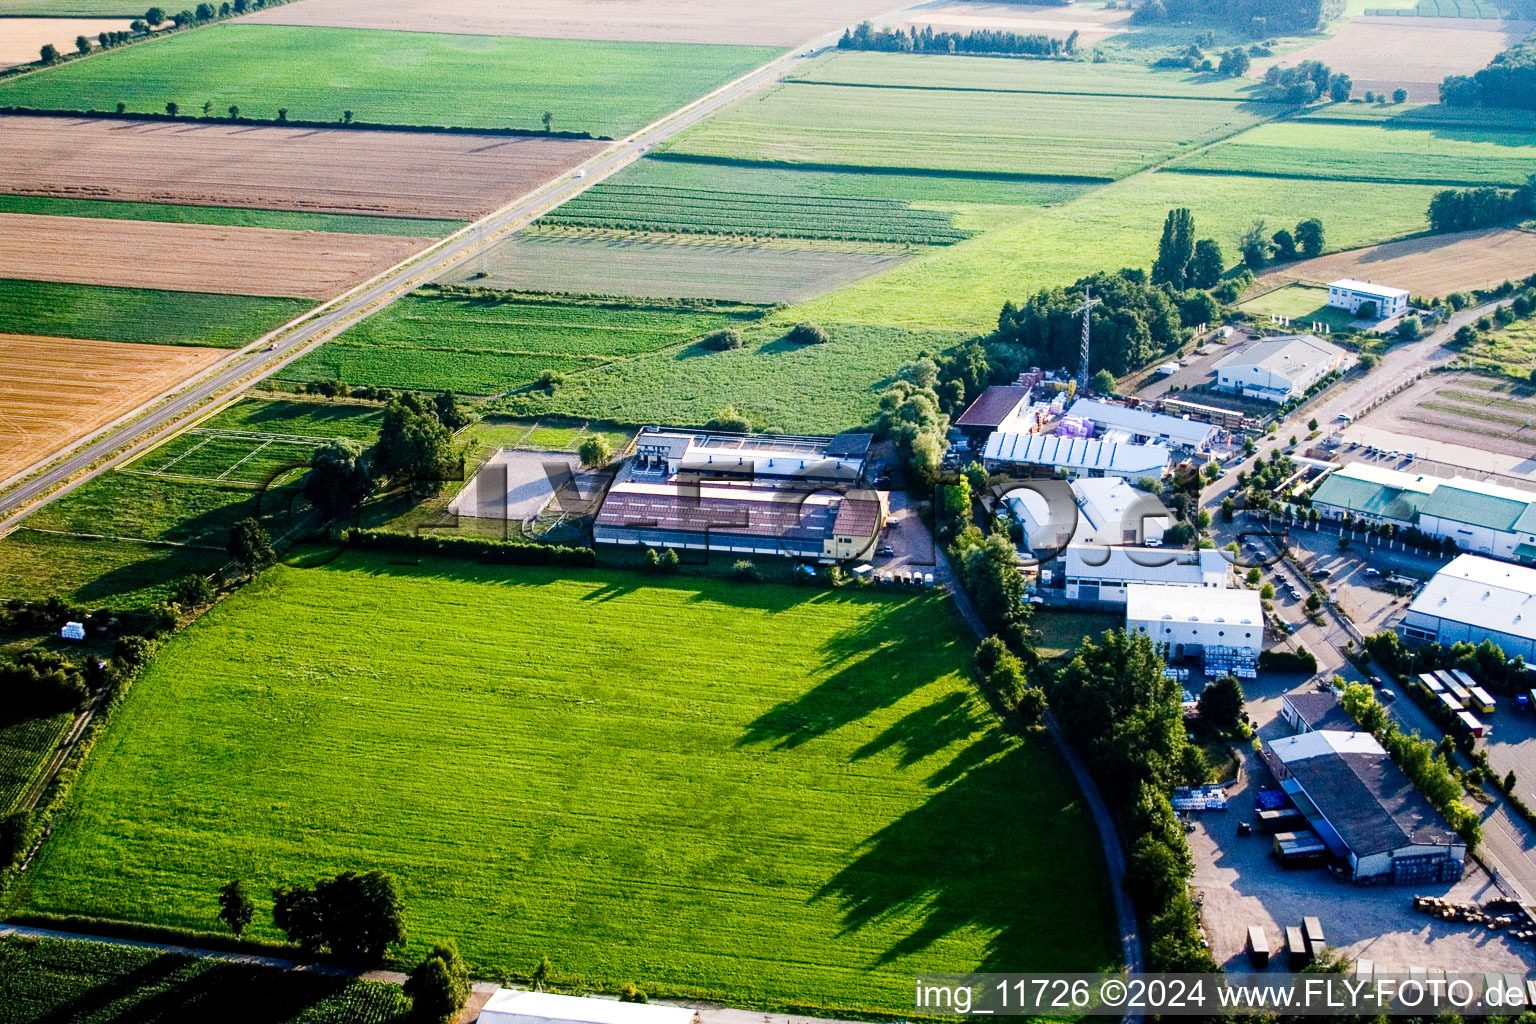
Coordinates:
(659, 208)
(1443, 9)
(102, 313)
(25, 747)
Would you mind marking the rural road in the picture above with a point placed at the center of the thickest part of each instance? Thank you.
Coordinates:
(145, 425)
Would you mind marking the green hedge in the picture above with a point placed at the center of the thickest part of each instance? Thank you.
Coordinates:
(502, 552)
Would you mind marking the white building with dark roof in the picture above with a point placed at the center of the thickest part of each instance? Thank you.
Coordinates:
(1473, 599)
(1282, 368)
(1349, 294)
(1365, 809)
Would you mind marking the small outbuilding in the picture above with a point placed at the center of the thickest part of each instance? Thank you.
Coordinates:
(508, 1006)
(72, 631)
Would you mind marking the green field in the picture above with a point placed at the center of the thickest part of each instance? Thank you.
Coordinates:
(675, 266)
(1003, 74)
(772, 796)
(948, 131)
(962, 287)
(1304, 304)
(120, 575)
(1452, 156)
(100, 313)
(414, 78)
(1420, 115)
(796, 389)
(487, 347)
(26, 744)
(355, 224)
(95, 983)
(73, 8)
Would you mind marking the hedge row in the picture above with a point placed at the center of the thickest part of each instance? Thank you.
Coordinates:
(501, 552)
(372, 126)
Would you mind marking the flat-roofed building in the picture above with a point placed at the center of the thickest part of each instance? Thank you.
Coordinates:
(1373, 494)
(1473, 599)
(1349, 294)
(1144, 427)
(1368, 813)
(1192, 622)
(708, 454)
(1483, 518)
(1100, 575)
(1104, 510)
(1282, 368)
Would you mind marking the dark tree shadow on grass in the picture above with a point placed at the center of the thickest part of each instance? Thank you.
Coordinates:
(1005, 849)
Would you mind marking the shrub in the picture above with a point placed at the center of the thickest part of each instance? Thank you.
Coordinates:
(807, 334)
(1281, 660)
(722, 340)
(745, 571)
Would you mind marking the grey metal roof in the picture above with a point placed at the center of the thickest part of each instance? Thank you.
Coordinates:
(993, 406)
(849, 445)
(1320, 709)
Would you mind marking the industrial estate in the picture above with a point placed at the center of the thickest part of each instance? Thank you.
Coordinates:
(565, 511)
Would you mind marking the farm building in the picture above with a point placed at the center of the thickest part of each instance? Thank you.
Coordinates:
(1374, 494)
(997, 408)
(1280, 369)
(1365, 809)
(507, 1006)
(1197, 622)
(745, 494)
(1104, 510)
(1106, 575)
(1473, 599)
(1143, 427)
(717, 455)
(1350, 294)
(1314, 710)
(1074, 456)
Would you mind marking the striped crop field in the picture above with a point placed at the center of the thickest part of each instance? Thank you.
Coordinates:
(1338, 152)
(764, 810)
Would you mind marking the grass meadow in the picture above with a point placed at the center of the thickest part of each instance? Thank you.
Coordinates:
(412, 78)
(962, 287)
(1304, 304)
(488, 346)
(233, 216)
(1452, 156)
(961, 131)
(768, 795)
(101, 313)
(98, 573)
(96, 983)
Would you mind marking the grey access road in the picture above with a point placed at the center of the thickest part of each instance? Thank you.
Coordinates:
(145, 425)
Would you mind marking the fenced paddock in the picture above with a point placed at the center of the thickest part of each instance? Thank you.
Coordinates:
(206, 455)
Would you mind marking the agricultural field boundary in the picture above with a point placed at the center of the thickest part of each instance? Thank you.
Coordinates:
(1032, 92)
(927, 172)
(67, 469)
(1364, 179)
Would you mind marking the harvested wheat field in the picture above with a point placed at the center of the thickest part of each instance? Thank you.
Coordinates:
(1432, 265)
(768, 23)
(57, 390)
(400, 174)
(1093, 25)
(23, 38)
(193, 257)
(1383, 53)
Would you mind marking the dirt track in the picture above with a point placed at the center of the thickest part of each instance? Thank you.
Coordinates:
(193, 257)
(1415, 53)
(1432, 265)
(56, 390)
(339, 171)
(768, 23)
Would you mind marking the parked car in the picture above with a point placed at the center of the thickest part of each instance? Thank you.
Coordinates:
(885, 551)
(1322, 574)
(1388, 696)
(1372, 572)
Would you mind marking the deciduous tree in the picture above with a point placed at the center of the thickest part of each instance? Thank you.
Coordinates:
(236, 908)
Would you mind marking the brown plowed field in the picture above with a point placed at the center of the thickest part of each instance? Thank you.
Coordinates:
(23, 38)
(193, 257)
(1433, 265)
(1383, 53)
(766, 23)
(57, 390)
(336, 171)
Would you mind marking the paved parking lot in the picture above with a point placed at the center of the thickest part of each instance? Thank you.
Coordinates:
(1241, 884)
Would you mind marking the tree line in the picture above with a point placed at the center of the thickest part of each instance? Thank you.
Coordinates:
(1462, 209)
(1260, 18)
(1306, 82)
(926, 40)
(1509, 80)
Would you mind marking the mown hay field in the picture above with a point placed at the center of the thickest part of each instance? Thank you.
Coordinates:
(230, 216)
(97, 983)
(669, 266)
(774, 23)
(24, 38)
(54, 391)
(962, 287)
(147, 315)
(410, 78)
(958, 131)
(1430, 264)
(346, 171)
(193, 257)
(486, 345)
(765, 807)
(1453, 156)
